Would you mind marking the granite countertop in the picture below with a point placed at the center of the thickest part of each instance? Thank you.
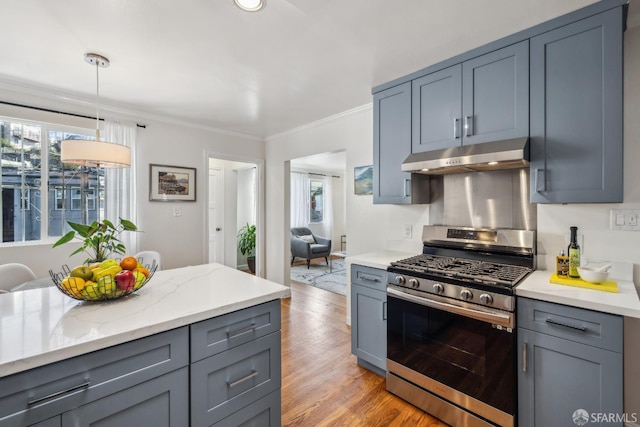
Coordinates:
(42, 326)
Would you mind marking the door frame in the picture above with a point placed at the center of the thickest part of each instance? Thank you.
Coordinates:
(260, 205)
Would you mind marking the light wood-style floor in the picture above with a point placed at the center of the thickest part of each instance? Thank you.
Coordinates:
(322, 385)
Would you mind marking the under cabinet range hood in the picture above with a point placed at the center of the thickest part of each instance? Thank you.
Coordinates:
(497, 155)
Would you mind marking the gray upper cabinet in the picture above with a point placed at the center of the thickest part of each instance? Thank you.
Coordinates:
(437, 105)
(483, 99)
(576, 111)
(495, 95)
(391, 144)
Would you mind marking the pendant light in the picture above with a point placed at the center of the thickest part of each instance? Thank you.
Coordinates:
(96, 153)
(250, 5)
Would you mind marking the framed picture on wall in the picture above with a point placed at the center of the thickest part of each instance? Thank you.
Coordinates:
(363, 180)
(172, 183)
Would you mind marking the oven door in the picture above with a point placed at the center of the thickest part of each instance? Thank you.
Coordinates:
(459, 352)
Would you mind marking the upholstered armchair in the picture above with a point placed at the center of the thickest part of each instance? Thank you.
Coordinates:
(305, 244)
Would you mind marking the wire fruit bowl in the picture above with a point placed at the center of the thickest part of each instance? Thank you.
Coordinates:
(104, 289)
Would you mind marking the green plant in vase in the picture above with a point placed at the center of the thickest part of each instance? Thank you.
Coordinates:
(247, 244)
(100, 239)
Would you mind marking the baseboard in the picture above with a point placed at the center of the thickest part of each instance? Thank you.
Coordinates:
(243, 267)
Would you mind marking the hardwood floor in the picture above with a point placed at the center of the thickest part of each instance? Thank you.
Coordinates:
(322, 385)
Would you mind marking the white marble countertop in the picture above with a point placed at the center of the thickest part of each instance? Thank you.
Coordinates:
(624, 303)
(379, 259)
(42, 326)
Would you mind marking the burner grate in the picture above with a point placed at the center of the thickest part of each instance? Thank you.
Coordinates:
(482, 272)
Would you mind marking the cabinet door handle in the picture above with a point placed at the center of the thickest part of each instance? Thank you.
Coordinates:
(404, 189)
(233, 334)
(541, 184)
(456, 128)
(468, 125)
(566, 325)
(241, 380)
(369, 278)
(384, 310)
(524, 357)
(58, 394)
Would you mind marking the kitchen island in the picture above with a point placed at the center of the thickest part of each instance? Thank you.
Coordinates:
(62, 359)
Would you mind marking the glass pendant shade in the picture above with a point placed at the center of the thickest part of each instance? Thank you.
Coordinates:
(250, 5)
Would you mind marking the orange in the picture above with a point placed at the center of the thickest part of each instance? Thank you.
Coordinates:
(129, 263)
(143, 271)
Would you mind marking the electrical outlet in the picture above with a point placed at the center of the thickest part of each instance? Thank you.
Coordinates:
(407, 231)
(177, 211)
(625, 219)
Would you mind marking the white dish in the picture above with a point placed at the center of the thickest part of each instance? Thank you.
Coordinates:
(592, 275)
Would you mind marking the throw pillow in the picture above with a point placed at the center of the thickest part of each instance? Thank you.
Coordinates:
(307, 238)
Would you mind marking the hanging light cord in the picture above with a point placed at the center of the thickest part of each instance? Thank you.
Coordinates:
(97, 100)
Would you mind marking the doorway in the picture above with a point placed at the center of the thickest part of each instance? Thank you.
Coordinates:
(233, 201)
(317, 202)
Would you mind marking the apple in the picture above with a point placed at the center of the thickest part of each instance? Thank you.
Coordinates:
(125, 280)
(83, 272)
(106, 285)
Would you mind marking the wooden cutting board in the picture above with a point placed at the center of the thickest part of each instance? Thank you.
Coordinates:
(606, 286)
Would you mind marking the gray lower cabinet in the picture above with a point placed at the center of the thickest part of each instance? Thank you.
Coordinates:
(576, 112)
(570, 365)
(224, 371)
(391, 144)
(369, 317)
(236, 368)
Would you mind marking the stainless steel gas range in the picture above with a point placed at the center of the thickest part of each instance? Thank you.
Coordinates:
(451, 323)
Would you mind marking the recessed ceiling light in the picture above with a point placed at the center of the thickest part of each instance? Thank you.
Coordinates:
(250, 5)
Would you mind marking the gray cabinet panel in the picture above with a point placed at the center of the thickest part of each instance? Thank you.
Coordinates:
(264, 412)
(576, 112)
(162, 401)
(369, 325)
(229, 381)
(85, 378)
(51, 422)
(368, 276)
(495, 102)
(437, 100)
(561, 377)
(221, 333)
(391, 145)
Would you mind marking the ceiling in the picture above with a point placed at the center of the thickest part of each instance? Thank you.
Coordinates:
(210, 64)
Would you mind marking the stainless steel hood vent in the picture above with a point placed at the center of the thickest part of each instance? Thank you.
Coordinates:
(498, 155)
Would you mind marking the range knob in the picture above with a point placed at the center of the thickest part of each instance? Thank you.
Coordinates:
(414, 283)
(438, 288)
(466, 295)
(486, 299)
(400, 280)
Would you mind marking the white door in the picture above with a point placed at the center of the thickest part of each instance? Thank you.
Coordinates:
(216, 217)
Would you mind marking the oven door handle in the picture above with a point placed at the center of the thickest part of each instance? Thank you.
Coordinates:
(502, 319)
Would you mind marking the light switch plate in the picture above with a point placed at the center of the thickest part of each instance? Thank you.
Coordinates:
(625, 219)
(407, 231)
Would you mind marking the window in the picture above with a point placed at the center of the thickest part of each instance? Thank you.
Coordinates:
(39, 193)
(316, 188)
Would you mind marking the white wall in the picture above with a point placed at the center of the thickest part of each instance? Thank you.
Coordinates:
(180, 240)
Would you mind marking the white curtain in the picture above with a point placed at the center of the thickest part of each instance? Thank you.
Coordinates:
(120, 184)
(328, 207)
(299, 199)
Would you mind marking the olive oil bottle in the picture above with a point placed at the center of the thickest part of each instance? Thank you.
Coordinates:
(574, 254)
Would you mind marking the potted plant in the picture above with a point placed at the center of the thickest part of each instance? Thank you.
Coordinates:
(247, 245)
(100, 239)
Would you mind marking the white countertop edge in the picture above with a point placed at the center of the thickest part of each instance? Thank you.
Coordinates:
(378, 259)
(623, 303)
(85, 347)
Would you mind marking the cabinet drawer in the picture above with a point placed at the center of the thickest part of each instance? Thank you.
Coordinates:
(221, 333)
(576, 324)
(35, 395)
(368, 276)
(229, 381)
(264, 412)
